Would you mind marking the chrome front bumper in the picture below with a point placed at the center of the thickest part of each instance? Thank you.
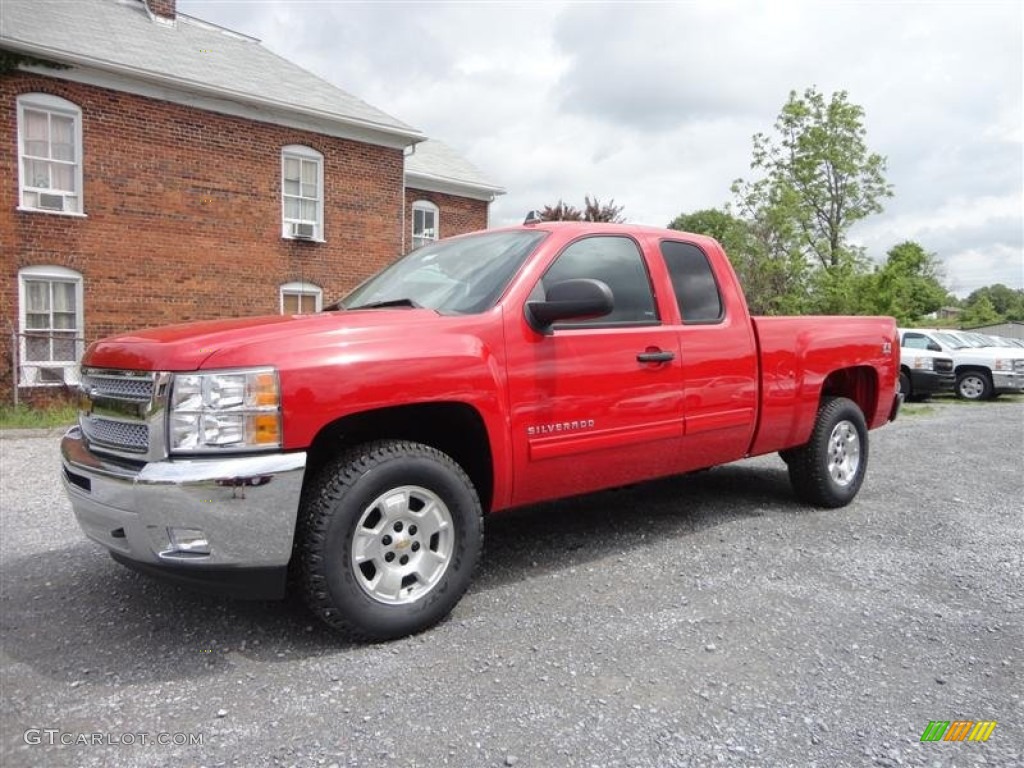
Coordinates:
(1007, 383)
(246, 507)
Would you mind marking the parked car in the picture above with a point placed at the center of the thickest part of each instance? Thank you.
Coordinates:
(982, 372)
(924, 372)
(1008, 343)
(363, 446)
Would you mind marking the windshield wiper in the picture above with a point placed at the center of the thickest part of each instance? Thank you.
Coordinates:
(389, 303)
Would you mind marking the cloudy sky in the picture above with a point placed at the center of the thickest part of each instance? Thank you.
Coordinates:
(654, 104)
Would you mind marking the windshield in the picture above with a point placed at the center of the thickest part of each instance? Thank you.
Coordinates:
(462, 275)
(950, 341)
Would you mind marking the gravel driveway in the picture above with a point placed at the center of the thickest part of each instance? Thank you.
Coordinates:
(695, 621)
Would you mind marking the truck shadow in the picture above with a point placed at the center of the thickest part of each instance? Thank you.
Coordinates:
(563, 534)
(76, 617)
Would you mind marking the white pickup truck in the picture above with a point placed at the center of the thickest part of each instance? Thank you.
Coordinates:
(981, 372)
(925, 372)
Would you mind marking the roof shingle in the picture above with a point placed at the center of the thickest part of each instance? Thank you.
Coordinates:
(120, 36)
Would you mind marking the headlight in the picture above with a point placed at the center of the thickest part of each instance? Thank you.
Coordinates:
(1003, 365)
(924, 364)
(225, 410)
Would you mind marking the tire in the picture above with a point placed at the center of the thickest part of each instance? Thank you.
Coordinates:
(389, 536)
(829, 470)
(905, 386)
(974, 385)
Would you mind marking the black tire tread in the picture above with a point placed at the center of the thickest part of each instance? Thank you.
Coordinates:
(809, 483)
(908, 393)
(334, 480)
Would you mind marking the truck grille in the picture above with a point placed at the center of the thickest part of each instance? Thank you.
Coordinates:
(943, 365)
(120, 387)
(122, 412)
(120, 435)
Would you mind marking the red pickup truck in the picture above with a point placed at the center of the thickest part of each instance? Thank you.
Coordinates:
(360, 449)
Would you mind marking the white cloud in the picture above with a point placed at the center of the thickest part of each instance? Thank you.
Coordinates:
(654, 104)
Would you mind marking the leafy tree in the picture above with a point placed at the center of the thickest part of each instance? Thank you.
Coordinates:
(1007, 302)
(721, 225)
(817, 179)
(908, 286)
(819, 168)
(980, 312)
(593, 210)
(769, 284)
(561, 211)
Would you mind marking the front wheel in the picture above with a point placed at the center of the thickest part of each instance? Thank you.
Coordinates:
(974, 385)
(829, 469)
(390, 534)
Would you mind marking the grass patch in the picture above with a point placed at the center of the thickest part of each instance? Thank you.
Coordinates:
(24, 417)
(954, 400)
(917, 409)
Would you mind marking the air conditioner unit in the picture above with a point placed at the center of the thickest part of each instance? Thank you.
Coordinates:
(33, 374)
(303, 230)
(52, 374)
(51, 202)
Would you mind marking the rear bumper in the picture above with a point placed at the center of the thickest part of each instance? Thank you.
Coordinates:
(245, 507)
(897, 402)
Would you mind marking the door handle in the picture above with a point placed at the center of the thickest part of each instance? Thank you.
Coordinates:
(655, 357)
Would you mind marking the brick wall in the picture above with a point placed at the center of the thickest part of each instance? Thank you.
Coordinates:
(458, 215)
(165, 8)
(184, 214)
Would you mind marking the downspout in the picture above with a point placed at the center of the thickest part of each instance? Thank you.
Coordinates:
(411, 147)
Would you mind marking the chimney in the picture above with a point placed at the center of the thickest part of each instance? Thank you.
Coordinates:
(162, 8)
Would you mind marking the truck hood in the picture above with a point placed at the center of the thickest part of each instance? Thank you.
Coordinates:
(188, 346)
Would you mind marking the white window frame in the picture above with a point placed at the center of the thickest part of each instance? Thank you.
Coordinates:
(304, 155)
(301, 289)
(29, 372)
(425, 206)
(73, 200)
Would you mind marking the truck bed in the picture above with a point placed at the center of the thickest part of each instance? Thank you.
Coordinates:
(796, 355)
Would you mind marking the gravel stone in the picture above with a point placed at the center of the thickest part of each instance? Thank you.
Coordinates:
(582, 641)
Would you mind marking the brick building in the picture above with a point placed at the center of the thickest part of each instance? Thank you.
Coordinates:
(161, 169)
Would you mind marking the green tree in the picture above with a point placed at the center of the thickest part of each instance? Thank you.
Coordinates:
(816, 180)
(908, 286)
(721, 225)
(593, 210)
(770, 285)
(1007, 302)
(979, 312)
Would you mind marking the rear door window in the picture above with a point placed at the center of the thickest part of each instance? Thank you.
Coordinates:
(694, 282)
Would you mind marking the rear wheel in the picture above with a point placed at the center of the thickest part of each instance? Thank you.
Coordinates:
(829, 470)
(390, 535)
(974, 385)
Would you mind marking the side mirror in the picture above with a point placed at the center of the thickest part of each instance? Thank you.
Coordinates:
(934, 347)
(570, 300)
